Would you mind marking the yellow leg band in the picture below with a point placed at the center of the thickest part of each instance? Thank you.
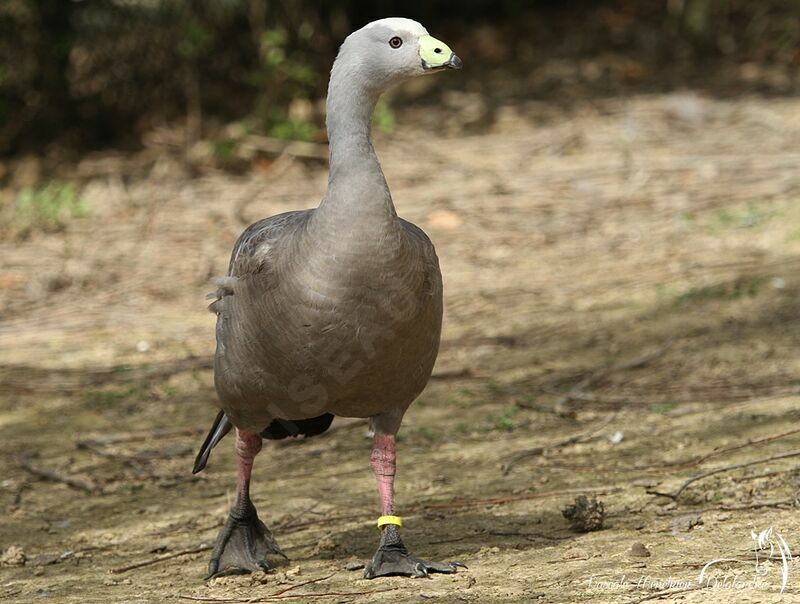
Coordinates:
(384, 520)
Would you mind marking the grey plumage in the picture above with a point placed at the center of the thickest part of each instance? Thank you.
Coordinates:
(331, 311)
(336, 309)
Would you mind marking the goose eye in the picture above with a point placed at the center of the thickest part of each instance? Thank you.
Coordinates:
(396, 42)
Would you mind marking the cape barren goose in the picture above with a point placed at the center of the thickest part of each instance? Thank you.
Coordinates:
(332, 311)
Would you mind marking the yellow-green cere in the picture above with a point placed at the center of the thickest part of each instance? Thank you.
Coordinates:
(433, 52)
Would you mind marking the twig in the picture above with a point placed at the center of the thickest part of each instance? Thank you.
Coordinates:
(82, 484)
(289, 519)
(283, 591)
(526, 536)
(134, 462)
(195, 550)
(459, 538)
(670, 467)
(721, 395)
(759, 441)
(37, 379)
(126, 437)
(737, 466)
(327, 594)
(306, 523)
(560, 405)
(666, 593)
(779, 503)
(512, 498)
(18, 495)
(739, 558)
(533, 452)
(10, 594)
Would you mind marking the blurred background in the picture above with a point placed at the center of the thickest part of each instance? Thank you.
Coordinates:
(102, 73)
(613, 188)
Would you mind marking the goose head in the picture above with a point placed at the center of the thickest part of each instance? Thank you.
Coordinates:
(389, 51)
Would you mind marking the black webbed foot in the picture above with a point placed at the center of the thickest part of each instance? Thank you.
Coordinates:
(392, 558)
(243, 543)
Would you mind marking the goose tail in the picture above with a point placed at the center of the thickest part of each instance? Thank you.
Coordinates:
(222, 425)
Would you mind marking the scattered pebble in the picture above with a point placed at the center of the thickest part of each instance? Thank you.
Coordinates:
(639, 550)
(684, 524)
(229, 580)
(354, 565)
(616, 438)
(293, 572)
(44, 559)
(575, 553)
(142, 346)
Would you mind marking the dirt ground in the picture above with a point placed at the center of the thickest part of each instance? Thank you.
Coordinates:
(621, 315)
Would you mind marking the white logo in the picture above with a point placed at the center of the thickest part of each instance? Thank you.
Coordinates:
(767, 543)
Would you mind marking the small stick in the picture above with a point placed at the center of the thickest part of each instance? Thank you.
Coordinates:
(113, 439)
(791, 502)
(136, 463)
(511, 461)
(295, 526)
(746, 464)
(328, 594)
(289, 519)
(195, 550)
(725, 395)
(670, 467)
(560, 405)
(283, 591)
(82, 484)
(512, 498)
(527, 536)
(459, 538)
(18, 495)
(98, 376)
(666, 593)
(700, 459)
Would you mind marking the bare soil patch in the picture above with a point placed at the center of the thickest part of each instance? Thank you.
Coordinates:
(621, 305)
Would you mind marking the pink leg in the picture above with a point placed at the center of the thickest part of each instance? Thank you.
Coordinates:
(392, 557)
(248, 444)
(383, 463)
(244, 541)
